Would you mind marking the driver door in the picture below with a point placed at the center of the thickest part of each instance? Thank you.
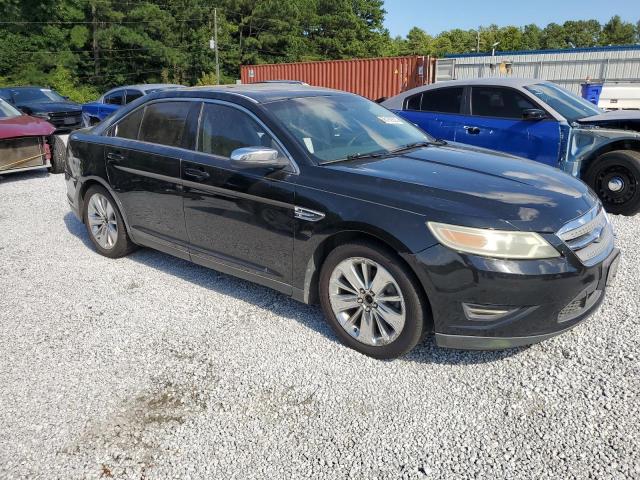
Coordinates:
(237, 217)
(496, 122)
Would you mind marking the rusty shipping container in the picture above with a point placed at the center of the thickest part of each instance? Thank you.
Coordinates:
(373, 78)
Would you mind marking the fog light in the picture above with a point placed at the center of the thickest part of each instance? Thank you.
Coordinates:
(486, 312)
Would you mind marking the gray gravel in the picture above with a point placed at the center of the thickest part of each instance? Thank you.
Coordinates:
(151, 367)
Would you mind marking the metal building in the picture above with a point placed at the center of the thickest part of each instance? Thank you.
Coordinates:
(568, 68)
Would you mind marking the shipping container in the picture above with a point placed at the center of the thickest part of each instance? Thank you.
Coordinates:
(568, 68)
(373, 78)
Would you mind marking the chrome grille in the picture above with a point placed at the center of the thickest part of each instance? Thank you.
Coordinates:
(590, 236)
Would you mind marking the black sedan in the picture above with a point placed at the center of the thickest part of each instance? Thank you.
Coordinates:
(333, 199)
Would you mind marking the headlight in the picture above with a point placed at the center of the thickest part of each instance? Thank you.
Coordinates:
(42, 115)
(493, 243)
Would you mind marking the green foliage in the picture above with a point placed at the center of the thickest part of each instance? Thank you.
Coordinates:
(83, 47)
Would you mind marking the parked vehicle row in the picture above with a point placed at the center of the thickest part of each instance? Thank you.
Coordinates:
(333, 199)
(536, 120)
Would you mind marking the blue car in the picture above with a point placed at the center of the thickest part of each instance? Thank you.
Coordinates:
(95, 112)
(537, 120)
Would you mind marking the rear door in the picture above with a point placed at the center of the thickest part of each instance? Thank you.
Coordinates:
(237, 217)
(496, 122)
(143, 167)
(437, 111)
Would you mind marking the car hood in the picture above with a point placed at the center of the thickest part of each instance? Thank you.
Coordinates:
(24, 126)
(623, 119)
(50, 107)
(476, 187)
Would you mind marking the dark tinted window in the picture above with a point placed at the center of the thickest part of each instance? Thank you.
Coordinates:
(164, 123)
(129, 126)
(115, 98)
(498, 102)
(223, 129)
(413, 103)
(133, 95)
(446, 100)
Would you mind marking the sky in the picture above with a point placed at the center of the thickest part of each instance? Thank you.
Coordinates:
(434, 17)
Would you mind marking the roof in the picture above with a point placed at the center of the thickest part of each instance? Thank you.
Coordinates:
(148, 86)
(615, 48)
(395, 103)
(256, 92)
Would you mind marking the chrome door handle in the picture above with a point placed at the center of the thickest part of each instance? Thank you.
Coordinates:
(196, 174)
(472, 130)
(114, 157)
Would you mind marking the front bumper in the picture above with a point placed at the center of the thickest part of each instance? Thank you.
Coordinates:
(543, 298)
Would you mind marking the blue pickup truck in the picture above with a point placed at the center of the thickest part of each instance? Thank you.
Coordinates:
(95, 112)
(537, 120)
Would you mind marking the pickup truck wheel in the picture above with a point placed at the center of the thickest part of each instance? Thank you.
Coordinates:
(371, 301)
(58, 154)
(615, 177)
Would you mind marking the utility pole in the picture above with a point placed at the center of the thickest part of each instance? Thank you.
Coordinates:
(478, 40)
(215, 39)
(95, 48)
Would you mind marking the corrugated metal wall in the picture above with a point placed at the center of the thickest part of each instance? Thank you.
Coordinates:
(568, 68)
(371, 77)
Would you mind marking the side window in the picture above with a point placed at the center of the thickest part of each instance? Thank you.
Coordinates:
(164, 123)
(223, 129)
(498, 102)
(444, 100)
(413, 103)
(129, 126)
(133, 95)
(115, 98)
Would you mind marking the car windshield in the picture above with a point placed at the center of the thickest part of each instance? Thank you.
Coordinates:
(567, 104)
(7, 111)
(337, 127)
(33, 95)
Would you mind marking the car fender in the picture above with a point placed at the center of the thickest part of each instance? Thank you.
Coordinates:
(586, 144)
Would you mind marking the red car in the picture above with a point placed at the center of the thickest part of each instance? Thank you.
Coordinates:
(25, 142)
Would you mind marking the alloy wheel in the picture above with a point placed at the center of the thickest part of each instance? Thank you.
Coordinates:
(103, 224)
(367, 301)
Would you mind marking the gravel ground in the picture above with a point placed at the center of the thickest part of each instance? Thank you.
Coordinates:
(151, 367)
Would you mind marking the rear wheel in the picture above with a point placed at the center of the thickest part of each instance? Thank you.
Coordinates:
(369, 298)
(615, 177)
(104, 223)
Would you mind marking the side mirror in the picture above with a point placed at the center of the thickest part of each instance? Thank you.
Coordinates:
(533, 114)
(256, 157)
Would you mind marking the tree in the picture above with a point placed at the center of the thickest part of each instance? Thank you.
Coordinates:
(617, 32)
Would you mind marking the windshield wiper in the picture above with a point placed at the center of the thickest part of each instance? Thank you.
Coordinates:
(414, 145)
(358, 156)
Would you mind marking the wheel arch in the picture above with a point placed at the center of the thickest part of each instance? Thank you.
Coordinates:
(87, 183)
(621, 144)
(379, 239)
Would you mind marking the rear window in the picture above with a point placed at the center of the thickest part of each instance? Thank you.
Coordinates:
(443, 100)
(129, 126)
(164, 123)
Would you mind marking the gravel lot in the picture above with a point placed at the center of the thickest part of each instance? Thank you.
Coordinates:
(151, 367)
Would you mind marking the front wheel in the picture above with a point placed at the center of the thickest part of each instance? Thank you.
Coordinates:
(58, 154)
(370, 299)
(615, 177)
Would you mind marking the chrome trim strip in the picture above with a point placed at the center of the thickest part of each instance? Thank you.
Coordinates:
(234, 194)
(307, 214)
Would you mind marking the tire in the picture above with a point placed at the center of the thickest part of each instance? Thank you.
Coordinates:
(58, 154)
(114, 242)
(620, 168)
(382, 263)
